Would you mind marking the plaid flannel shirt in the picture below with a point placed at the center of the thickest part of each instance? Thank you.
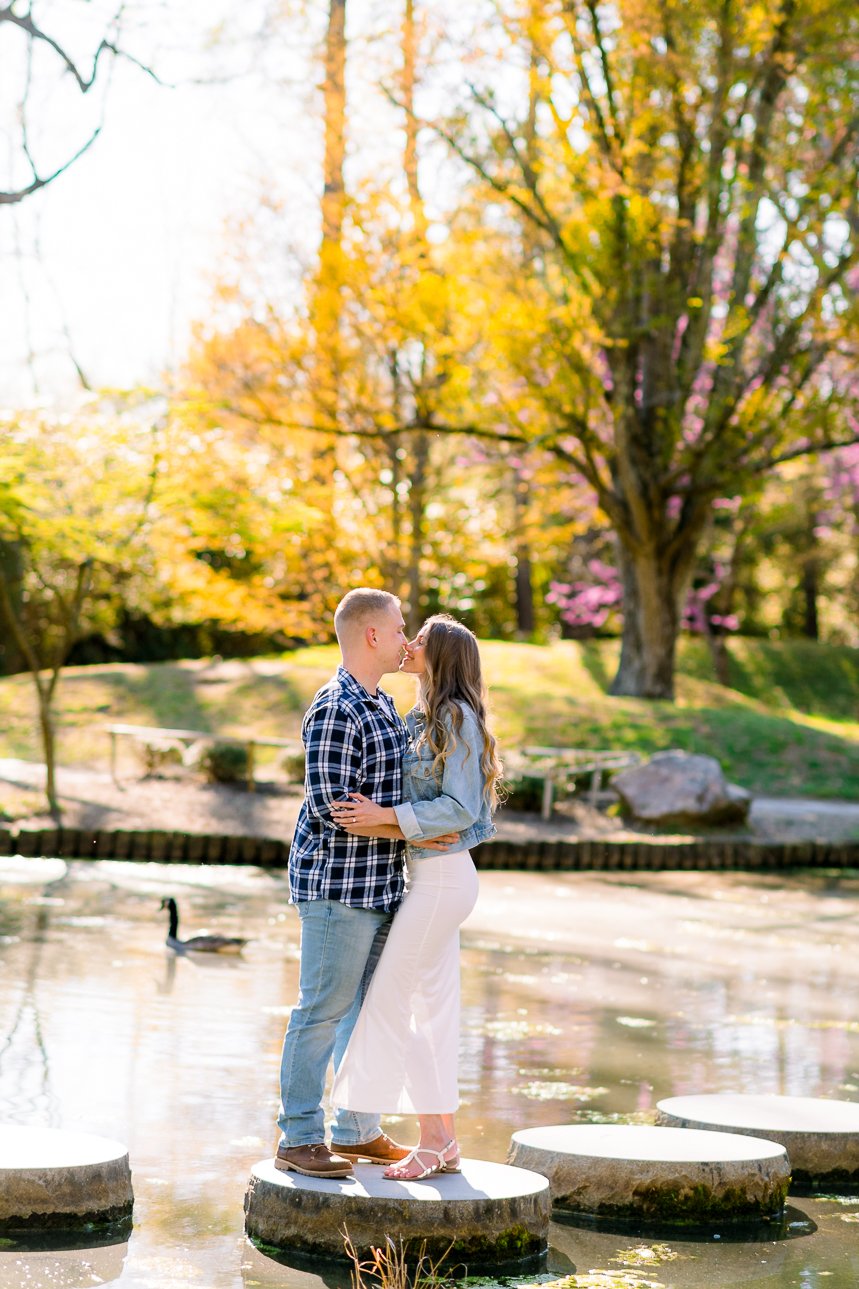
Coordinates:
(354, 742)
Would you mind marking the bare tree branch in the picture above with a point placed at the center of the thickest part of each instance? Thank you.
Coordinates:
(11, 197)
(36, 35)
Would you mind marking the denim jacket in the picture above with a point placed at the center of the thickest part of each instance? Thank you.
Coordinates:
(455, 804)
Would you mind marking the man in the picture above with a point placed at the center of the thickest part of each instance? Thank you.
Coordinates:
(345, 887)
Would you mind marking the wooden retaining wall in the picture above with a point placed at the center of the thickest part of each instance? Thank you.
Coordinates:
(651, 854)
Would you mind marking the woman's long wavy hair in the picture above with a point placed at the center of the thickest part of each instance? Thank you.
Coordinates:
(453, 675)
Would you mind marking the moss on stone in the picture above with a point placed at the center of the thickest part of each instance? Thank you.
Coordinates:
(515, 1243)
(695, 1205)
(99, 1220)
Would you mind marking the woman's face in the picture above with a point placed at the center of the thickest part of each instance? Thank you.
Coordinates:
(414, 658)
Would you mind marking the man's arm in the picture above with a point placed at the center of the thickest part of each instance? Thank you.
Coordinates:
(454, 808)
(333, 759)
(395, 832)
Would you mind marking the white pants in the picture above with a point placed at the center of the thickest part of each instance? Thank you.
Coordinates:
(403, 1054)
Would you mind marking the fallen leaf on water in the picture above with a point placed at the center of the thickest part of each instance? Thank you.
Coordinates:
(646, 1255)
(599, 1279)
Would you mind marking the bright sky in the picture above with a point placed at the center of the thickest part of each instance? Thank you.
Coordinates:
(115, 259)
(121, 249)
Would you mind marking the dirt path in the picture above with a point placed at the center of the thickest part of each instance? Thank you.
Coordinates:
(91, 799)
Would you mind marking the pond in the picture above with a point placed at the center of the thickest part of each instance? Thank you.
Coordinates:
(586, 997)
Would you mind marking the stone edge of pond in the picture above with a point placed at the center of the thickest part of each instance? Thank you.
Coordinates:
(535, 855)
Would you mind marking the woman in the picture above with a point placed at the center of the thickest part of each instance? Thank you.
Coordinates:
(402, 1056)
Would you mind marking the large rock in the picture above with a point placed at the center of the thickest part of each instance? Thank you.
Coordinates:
(677, 788)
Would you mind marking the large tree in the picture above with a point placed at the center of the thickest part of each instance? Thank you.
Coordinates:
(369, 373)
(111, 509)
(693, 179)
(74, 506)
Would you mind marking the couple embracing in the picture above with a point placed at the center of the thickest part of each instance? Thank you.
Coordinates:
(382, 878)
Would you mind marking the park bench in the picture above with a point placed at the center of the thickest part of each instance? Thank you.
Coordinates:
(155, 735)
(558, 766)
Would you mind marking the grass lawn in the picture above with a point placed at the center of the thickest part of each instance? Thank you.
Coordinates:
(788, 725)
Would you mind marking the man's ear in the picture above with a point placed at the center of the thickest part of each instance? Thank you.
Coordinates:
(371, 636)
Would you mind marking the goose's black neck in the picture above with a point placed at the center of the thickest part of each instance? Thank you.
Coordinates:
(174, 917)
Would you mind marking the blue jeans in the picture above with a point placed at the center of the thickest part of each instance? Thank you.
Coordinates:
(340, 947)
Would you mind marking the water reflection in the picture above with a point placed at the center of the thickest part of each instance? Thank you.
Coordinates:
(585, 997)
(269, 1269)
(25, 1074)
(62, 1268)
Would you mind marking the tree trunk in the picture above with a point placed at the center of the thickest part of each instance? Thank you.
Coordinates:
(718, 647)
(524, 583)
(421, 444)
(393, 558)
(12, 658)
(44, 688)
(531, 245)
(810, 589)
(410, 152)
(49, 744)
(653, 593)
(325, 308)
(325, 377)
(524, 594)
(334, 91)
(417, 508)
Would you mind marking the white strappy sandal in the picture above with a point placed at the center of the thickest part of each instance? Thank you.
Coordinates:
(441, 1165)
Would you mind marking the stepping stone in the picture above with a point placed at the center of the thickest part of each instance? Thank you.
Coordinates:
(489, 1215)
(821, 1137)
(668, 1175)
(51, 1179)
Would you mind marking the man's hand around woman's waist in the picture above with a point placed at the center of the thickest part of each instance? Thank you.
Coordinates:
(361, 817)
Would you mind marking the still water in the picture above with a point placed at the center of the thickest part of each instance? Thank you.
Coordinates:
(586, 997)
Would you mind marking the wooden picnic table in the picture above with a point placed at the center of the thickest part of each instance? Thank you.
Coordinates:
(557, 765)
(155, 734)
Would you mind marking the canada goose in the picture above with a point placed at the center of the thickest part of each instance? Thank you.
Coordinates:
(205, 943)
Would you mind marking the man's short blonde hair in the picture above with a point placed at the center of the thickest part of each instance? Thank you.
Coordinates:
(360, 605)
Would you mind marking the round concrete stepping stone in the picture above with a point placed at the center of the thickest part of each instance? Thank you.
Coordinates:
(56, 1179)
(668, 1175)
(489, 1215)
(821, 1137)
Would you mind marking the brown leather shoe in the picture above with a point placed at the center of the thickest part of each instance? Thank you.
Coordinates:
(381, 1150)
(313, 1161)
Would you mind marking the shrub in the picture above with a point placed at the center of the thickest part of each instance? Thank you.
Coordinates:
(292, 765)
(523, 792)
(157, 755)
(225, 763)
